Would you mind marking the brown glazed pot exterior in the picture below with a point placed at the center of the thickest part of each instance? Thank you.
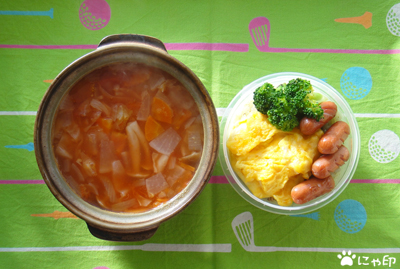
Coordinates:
(105, 224)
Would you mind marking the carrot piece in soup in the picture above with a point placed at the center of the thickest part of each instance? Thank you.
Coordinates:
(120, 141)
(105, 124)
(186, 166)
(161, 111)
(181, 117)
(152, 129)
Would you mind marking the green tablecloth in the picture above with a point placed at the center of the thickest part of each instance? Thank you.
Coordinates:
(39, 38)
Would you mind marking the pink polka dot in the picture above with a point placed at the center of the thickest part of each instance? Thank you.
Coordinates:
(94, 10)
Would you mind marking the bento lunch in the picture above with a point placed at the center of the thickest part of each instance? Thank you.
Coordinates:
(286, 144)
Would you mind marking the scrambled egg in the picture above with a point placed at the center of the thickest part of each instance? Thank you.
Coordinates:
(270, 161)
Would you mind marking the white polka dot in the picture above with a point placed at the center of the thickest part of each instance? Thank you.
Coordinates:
(384, 146)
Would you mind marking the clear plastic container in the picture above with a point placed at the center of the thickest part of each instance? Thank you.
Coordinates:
(342, 176)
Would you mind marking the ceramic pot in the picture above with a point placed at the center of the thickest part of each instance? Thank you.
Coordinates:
(102, 223)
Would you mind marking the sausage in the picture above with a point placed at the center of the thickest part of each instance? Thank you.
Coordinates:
(333, 138)
(327, 164)
(311, 189)
(309, 126)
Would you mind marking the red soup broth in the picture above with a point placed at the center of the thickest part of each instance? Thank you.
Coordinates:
(128, 137)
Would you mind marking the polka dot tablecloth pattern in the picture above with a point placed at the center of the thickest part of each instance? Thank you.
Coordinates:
(393, 20)
(356, 83)
(384, 146)
(350, 216)
(94, 14)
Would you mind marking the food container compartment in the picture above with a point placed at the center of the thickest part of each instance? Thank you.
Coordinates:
(102, 223)
(342, 176)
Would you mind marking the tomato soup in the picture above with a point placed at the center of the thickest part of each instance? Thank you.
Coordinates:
(128, 137)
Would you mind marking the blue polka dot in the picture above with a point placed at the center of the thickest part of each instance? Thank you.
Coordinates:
(356, 83)
(350, 216)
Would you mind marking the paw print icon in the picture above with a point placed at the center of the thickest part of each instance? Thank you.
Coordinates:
(346, 258)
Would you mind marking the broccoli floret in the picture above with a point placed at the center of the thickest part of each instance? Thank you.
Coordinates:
(288, 103)
(263, 97)
(282, 121)
(301, 95)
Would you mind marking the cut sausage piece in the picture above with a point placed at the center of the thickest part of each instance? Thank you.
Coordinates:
(311, 189)
(309, 126)
(327, 164)
(334, 137)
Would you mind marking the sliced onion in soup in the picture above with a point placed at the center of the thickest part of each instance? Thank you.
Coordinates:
(166, 142)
